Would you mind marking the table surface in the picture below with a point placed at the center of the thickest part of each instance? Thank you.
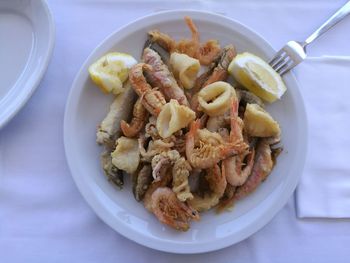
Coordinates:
(43, 217)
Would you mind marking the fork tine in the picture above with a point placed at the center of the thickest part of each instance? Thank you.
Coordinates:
(274, 59)
(277, 58)
(288, 57)
(281, 66)
(286, 69)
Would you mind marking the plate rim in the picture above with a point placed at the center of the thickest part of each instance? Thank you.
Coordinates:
(165, 245)
(29, 91)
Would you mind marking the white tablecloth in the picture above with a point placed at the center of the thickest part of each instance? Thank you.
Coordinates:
(43, 218)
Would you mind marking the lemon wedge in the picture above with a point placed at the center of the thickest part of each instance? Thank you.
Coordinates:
(257, 76)
(111, 70)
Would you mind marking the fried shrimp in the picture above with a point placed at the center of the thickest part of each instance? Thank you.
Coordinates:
(208, 52)
(205, 53)
(138, 120)
(236, 174)
(261, 169)
(152, 99)
(170, 211)
(190, 46)
(206, 151)
(217, 184)
(164, 40)
(181, 171)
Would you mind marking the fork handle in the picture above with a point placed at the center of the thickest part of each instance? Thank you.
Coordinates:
(334, 19)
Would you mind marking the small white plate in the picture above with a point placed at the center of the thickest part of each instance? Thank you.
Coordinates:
(26, 43)
(87, 106)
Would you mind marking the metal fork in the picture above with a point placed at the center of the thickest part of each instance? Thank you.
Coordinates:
(294, 52)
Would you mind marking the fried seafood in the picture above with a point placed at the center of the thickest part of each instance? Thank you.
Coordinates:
(164, 40)
(190, 46)
(236, 172)
(227, 200)
(161, 165)
(236, 135)
(162, 161)
(274, 139)
(109, 129)
(161, 77)
(163, 54)
(217, 185)
(151, 129)
(208, 51)
(126, 155)
(216, 72)
(215, 123)
(205, 52)
(142, 181)
(245, 96)
(113, 174)
(157, 145)
(185, 69)
(152, 99)
(138, 120)
(187, 158)
(259, 168)
(154, 147)
(208, 150)
(181, 171)
(220, 71)
(179, 140)
(205, 151)
(259, 123)
(215, 98)
(262, 167)
(170, 211)
(173, 118)
(165, 180)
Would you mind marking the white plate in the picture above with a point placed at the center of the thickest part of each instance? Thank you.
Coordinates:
(27, 38)
(87, 106)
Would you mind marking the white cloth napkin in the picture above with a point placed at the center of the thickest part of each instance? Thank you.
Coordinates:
(324, 189)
